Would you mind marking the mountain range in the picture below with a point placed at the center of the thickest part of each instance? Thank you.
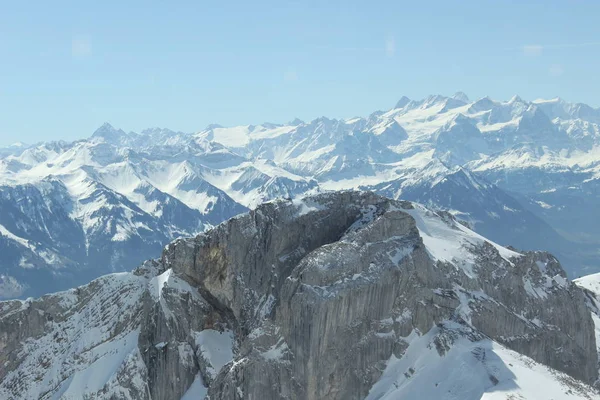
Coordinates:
(522, 173)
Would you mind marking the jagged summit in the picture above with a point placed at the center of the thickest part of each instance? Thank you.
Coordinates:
(105, 128)
(461, 96)
(110, 134)
(515, 99)
(374, 294)
(402, 102)
(213, 126)
(296, 122)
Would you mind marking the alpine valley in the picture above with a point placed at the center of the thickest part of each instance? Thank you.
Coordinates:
(521, 173)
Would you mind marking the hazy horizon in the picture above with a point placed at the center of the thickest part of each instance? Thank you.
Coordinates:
(73, 67)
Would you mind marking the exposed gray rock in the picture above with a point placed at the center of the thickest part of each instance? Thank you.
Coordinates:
(591, 288)
(318, 293)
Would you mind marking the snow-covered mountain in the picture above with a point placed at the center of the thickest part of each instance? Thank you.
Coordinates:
(524, 173)
(345, 295)
(542, 158)
(73, 211)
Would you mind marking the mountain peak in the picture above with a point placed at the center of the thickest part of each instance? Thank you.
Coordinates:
(485, 103)
(515, 99)
(433, 99)
(108, 132)
(460, 118)
(322, 120)
(402, 102)
(213, 126)
(18, 145)
(105, 127)
(461, 96)
(296, 122)
(364, 244)
(156, 131)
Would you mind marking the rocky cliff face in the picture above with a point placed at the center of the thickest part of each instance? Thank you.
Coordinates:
(591, 288)
(334, 296)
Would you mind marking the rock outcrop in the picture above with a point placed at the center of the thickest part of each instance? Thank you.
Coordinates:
(305, 299)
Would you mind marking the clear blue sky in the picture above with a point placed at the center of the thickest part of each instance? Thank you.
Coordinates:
(67, 67)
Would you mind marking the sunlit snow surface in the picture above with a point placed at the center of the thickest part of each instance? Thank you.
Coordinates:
(216, 347)
(87, 358)
(197, 391)
(470, 371)
(451, 242)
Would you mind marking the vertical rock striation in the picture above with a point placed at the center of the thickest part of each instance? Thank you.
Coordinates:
(303, 299)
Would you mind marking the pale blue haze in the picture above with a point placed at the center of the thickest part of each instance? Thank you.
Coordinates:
(66, 67)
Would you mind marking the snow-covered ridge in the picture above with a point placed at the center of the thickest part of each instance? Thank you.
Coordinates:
(470, 370)
(510, 169)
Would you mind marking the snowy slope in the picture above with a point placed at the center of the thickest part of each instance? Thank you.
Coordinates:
(72, 212)
(96, 348)
(470, 370)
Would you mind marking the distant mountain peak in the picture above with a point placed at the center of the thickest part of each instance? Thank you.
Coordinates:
(515, 99)
(213, 126)
(18, 145)
(460, 118)
(105, 126)
(402, 102)
(107, 131)
(296, 122)
(485, 103)
(433, 100)
(323, 120)
(156, 130)
(461, 96)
